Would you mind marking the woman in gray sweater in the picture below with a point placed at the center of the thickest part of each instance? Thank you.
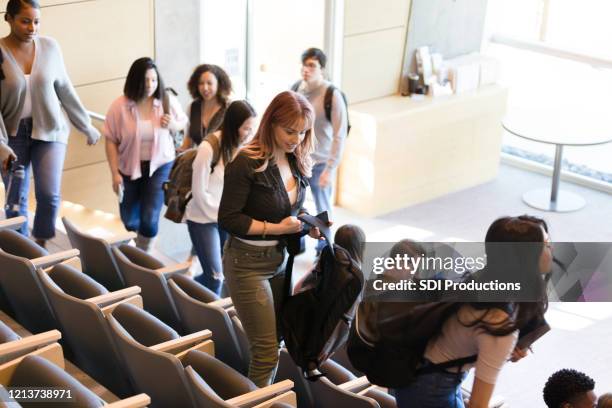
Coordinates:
(33, 128)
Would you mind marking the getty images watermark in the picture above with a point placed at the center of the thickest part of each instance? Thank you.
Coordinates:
(488, 272)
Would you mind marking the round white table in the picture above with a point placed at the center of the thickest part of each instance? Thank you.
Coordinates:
(560, 128)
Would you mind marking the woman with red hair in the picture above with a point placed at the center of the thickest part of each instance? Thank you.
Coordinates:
(264, 190)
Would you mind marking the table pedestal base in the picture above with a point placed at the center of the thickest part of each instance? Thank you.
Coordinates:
(565, 202)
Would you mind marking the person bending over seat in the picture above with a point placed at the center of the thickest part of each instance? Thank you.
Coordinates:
(489, 330)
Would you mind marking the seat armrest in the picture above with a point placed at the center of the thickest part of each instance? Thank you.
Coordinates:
(52, 259)
(355, 385)
(223, 303)
(207, 346)
(52, 352)
(121, 238)
(182, 343)
(72, 262)
(288, 398)
(261, 394)
(137, 401)
(182, 267)
(12, 223)
(30, 342)
(114, 296)
(135, 300)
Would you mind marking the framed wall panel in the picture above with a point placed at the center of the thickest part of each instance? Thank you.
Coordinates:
(372, 64)
(96, 98)
(362, 16)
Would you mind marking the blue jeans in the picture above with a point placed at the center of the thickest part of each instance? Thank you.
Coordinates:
(438, 389)
(322, 195)
(143, 199)
(208, 240)
(47, 161)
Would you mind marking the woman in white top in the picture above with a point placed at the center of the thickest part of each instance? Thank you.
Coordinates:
(207, 188)
(488, 330)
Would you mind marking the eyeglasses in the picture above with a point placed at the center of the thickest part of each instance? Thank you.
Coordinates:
(311, 65)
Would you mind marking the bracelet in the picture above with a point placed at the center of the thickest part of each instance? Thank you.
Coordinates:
(263, 234)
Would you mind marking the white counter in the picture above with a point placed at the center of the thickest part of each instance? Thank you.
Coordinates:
(402, 152)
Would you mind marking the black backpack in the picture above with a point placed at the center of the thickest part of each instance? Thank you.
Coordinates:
(388, 340)
(316, 322)
(177, 189)
(327, 102)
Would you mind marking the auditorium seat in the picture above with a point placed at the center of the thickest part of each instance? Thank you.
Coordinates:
(144, 270)
(96, 255)
(338, 388)
(12, 345)
(21, 287)
(40, 369)
(153, 360)
(215, 384)
(198, 311)
(12, 223)
(80, 305)
(341, 357)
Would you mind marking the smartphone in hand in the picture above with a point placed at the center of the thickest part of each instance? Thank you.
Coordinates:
(120, 193)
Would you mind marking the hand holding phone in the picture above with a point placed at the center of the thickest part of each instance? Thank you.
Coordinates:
(120, 193)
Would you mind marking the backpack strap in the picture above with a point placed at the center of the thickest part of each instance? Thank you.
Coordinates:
(216, 146)
(195, 121)
(327, 102)
(166, 99)
(321, 222)
(296, 86)
(293, 244)
(2, 77)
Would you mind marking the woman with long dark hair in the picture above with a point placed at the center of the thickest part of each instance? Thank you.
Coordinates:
(264, 191)
(33, 129)
(207, 187)
(487, 329)
(140, 148)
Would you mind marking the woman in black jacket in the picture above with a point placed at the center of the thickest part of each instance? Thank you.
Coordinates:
(264, 190)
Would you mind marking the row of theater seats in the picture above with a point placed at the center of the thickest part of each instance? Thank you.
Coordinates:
(38, 361)
(167, 349)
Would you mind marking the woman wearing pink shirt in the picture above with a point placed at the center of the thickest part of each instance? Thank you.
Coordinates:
(140, 148)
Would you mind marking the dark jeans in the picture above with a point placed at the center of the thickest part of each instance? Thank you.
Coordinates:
(47, 161)
(143, 199)
(322, 195)
(432, 390)
(208, 240)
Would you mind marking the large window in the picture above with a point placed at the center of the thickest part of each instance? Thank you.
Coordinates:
(573, 70)
(279, 32)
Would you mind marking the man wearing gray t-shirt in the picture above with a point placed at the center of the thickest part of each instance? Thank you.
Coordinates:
(330, 133)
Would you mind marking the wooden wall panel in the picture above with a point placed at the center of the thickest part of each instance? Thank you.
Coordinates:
(99, 39)
(372, 64)
(96, 98)
(361, 16)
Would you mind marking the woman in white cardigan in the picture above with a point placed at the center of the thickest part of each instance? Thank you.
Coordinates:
(207, 188)
(33, 92)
